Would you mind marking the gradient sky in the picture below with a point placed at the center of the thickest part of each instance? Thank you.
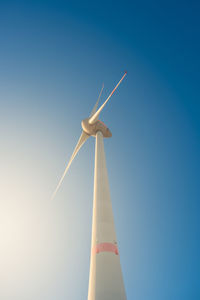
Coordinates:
(54, 57)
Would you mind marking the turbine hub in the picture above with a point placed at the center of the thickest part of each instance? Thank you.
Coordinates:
(91, 129)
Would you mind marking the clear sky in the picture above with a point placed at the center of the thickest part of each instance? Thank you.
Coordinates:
(54, 57)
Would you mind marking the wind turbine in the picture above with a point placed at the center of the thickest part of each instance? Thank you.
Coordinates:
(105, 280)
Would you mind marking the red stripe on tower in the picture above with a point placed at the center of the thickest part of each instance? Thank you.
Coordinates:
(105, 247)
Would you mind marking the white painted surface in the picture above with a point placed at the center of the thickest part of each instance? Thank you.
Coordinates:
(105, 282)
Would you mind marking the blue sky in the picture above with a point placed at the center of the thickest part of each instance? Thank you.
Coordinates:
(54, 57)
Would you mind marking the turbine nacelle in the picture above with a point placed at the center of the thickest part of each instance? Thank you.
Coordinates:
(91, 129)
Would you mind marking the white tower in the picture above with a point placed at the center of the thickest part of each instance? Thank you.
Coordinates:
(106, 282)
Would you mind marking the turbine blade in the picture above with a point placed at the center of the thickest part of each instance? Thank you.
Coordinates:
(83, 138)
(95, 117)
(95, 107)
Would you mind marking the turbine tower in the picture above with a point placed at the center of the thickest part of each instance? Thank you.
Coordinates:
(105, 280)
